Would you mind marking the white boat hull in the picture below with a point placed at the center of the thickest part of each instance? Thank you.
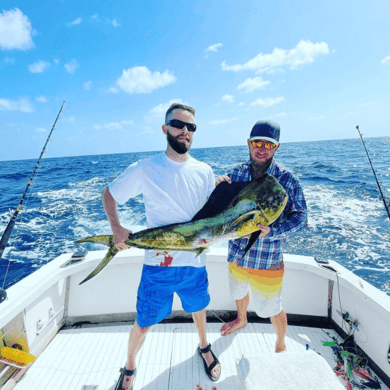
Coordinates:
(39, 305)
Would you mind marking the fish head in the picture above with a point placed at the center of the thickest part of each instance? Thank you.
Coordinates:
(262, 202)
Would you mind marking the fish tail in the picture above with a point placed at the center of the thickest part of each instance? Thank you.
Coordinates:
(112, 251)
(103, 239)
(199, 250)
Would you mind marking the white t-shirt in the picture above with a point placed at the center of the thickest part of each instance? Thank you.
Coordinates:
(173, 192)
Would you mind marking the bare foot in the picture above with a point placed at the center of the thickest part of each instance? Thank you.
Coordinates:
(233, 326)
(280, 347)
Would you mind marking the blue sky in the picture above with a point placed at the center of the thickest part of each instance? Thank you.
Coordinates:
(317, 68)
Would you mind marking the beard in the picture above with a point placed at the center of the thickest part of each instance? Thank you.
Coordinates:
(260, 168)
(176, 145)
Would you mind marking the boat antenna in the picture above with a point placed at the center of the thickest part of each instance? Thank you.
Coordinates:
(11, 224)
(373, 171)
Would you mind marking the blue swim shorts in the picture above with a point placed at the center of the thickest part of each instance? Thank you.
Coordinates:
(155, 292)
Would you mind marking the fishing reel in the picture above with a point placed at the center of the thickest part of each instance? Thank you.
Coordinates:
(353, 323)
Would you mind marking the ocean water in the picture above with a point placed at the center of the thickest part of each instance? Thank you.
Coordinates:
(348, 222)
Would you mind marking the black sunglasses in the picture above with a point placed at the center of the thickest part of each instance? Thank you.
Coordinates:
(180, 124)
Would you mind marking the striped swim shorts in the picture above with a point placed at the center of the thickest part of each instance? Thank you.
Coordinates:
(265, 286)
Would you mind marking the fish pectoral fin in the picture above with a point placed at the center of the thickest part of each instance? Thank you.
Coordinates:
(254, 236)
(112, 251)
(246, 217)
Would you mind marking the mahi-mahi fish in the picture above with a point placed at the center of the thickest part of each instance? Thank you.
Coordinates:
(261, 201)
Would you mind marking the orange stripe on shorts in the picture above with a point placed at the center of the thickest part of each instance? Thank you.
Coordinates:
(264, 282)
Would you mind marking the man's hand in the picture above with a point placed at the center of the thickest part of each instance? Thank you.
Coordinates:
(264, 231)
(120, 236)
(222, 178)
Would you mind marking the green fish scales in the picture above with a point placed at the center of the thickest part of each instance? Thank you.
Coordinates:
(262, 201)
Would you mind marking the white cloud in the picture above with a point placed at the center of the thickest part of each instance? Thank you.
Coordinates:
(114, 90)
(114, 125)
(87, 85)
(114, 22)
(157, 114)
(281, 114)
(317, 118)
(214, 47)
(71, 66)
(250, 85)
(228, 98)
(303, 53)
(141, 80)
(22, 105)
(267, 102)
(15, 30)
(148, 130)
(40, 130)
(75, 22)
(223, 121)
(8, 60)
(56, 61)
(39, 66)
(41, 99)
(386, 60)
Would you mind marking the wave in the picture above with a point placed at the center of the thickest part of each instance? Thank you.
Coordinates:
(347, 219)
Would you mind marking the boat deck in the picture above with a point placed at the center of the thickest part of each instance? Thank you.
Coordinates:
(92, 355)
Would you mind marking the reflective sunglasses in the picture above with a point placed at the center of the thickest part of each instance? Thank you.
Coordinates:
(267, 144)
(180, 124)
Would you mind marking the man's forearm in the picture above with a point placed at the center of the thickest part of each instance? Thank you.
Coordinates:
(296, 222)
(110, 209)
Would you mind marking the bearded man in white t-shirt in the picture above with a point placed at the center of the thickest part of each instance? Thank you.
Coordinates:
(175, 187)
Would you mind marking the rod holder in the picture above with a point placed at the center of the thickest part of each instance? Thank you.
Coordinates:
(41, 327)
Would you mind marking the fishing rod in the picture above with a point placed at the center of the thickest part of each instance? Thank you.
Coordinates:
(373, 171)
(11, 224)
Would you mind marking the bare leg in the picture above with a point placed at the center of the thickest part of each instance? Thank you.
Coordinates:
(136, 339)
(200, 323)
(241, 321)
(279, 323)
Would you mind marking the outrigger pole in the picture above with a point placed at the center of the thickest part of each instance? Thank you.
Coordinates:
(373, 171)
(10, 226)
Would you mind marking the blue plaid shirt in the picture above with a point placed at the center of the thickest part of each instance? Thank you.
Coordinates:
(267, 251)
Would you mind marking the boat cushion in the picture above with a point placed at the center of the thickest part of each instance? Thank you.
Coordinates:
(304, 370)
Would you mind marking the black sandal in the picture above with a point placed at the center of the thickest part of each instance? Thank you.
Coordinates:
(124, 373)
(208, 369)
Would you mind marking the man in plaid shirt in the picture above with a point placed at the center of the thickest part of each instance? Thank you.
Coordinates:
(260, 269)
